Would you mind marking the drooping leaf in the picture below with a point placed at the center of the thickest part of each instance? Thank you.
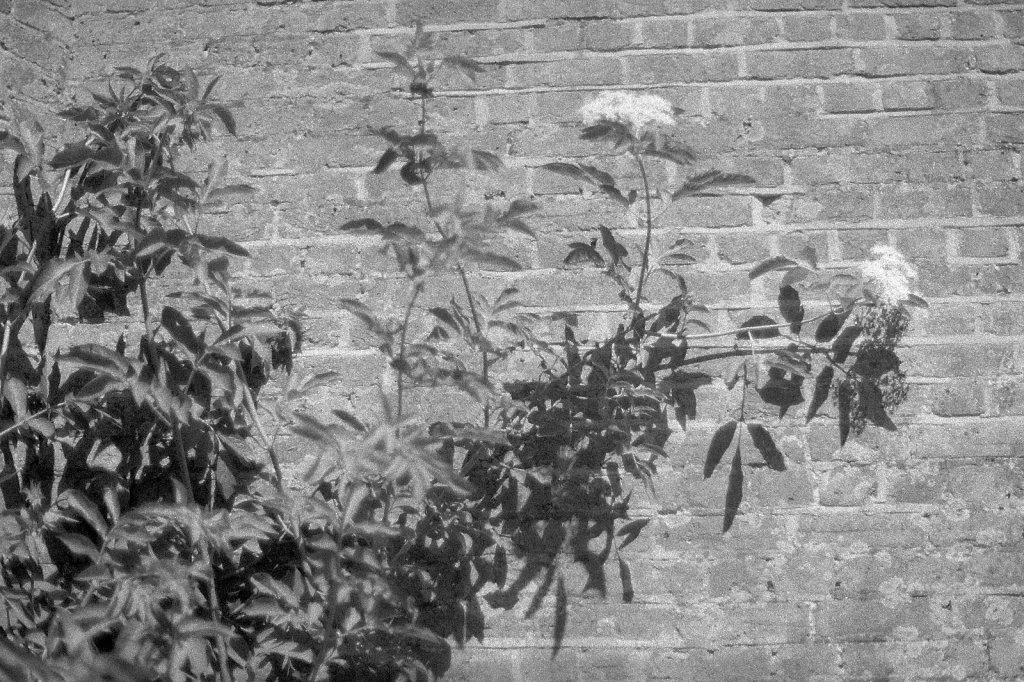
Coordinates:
(719, 444)
(758, 327)
(631, 531)
(626, 577)
(79, 545)
(709, 180)
(84, 507)
(49, 276)
(822, 385)
(612, 246)
(770, 265)
(561, 615)
(568, 170)
(765, 444)
(874, 408)
(16, 392)
(580, 252)
(830, 326)
(844, 407)
(843, 344)
(734, 493)
(468, 67)
(389, 156)
(180, 329)
(791, 308)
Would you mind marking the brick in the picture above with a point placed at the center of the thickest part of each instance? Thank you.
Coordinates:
(806, 29)
(1010, 92)
(788, 5)
(983, 242)
(955, 95)
(860, 26)
(1000, 199)
(846, 98)
(1003, 319)
(848, 487)
(681, 68)
(819, 63)
(1000, 59)
(906, 96)
(974, 26)
(606, 35)
(921, 243)
(924, 130)
(730, 32)
(918, 26)
(960, 398)
(914, 59)
(1003, 129)
(913, 202)
(666, 33)
(600, 71)
(902, 3)
(1013, 24)
(408, 12)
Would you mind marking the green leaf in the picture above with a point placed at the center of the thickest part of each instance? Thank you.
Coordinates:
(765, 444)
(78, 502)
(79, 545)
(708, 180)
(561, 615)
(830, 326)
(770, 265)
(844, 407)
(719, 444)
(569, 171)
(226, 119)
(769, 331)
(616, 250)
(389, 156)
(178, 326)
(631, 531)
(626, 578)
(734, 493)
(580, 252)
(843, 344)
(822, 385)
(76, 154)
(17, 395)
(48, 278)
(224, 244)
(791, 308)
(468, 67)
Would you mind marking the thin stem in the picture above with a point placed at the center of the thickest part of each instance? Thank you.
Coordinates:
(268, 444)
(417, 290)
(222, 649)
(647, 238)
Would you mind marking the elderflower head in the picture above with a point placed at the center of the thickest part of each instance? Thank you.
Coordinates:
(889, 275)
(633, 111)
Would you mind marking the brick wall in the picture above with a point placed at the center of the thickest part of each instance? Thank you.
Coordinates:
(34, 49)
(897, 556)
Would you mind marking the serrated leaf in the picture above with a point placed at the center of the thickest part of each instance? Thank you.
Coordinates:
(702, 182)
(48, 278)
(719, 444)
(734, 493)
(822, 386)
(765, 444)
(616, 250)
(770, 265)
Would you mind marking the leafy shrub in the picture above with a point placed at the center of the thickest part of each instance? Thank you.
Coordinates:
(149, 532)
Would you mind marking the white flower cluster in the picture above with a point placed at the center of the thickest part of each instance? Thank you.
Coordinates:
(888, 275)
(634, 111)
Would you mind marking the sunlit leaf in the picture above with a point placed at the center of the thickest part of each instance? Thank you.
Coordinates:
(770, 265)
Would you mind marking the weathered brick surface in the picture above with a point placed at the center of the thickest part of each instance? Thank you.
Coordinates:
(896, 556)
